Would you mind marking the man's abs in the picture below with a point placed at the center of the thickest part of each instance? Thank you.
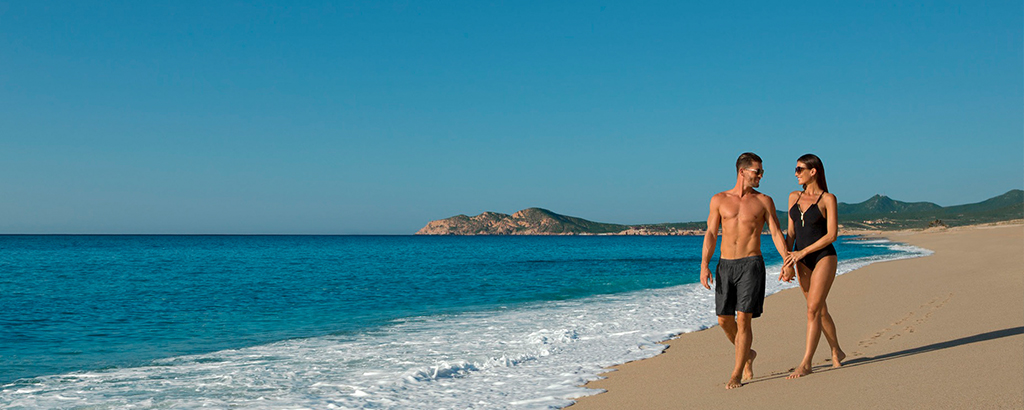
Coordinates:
(740, 241)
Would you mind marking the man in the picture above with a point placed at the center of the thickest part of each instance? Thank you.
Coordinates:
(739, 280)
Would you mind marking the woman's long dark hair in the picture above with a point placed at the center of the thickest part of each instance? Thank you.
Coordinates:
(813, 162)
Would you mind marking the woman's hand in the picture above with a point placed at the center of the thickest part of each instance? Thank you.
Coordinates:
(794, 257)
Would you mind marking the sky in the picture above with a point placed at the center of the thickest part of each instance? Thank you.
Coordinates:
(377, 117)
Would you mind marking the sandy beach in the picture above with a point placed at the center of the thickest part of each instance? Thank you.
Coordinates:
(939, 332)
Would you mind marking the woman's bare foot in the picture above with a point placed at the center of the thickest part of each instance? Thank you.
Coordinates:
(748, 369)
(837, 358)
(733, 383)
(800, 371)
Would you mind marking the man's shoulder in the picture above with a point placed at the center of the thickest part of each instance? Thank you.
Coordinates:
(760, 195)
(721, 195)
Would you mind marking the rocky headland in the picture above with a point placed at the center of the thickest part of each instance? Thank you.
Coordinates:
(538, 221)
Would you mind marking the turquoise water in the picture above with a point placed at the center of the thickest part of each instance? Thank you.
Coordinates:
(103, 303)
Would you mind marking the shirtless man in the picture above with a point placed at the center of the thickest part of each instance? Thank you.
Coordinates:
(739, 279)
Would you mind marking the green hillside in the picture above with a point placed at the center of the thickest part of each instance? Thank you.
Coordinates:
(1013, 198)
(881, 212)
(881, 204)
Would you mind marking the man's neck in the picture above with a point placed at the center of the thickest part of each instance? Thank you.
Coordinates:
(742, 189)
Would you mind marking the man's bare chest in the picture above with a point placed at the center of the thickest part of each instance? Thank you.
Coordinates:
(748, 210)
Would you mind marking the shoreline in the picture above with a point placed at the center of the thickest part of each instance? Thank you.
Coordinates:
(909, 339)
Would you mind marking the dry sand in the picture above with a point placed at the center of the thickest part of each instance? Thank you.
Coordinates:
(940, 332)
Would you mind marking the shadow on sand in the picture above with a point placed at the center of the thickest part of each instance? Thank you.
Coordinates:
(860, 361)
(981, 337)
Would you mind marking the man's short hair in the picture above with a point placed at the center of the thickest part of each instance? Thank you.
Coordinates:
(746, 159)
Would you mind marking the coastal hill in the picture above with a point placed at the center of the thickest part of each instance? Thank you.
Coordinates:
(884, 213)
(884, 205)
(876, 213)
(531, 221)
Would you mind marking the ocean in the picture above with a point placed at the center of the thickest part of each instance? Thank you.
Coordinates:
(292, 322)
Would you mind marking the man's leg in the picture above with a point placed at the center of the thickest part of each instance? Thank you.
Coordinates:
(742, 340)
(728, 324)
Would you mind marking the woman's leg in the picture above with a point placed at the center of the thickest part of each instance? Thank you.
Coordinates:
(803, 276)
(828, 328)
(816, 283)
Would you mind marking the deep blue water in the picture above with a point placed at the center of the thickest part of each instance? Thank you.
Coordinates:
(90, 302)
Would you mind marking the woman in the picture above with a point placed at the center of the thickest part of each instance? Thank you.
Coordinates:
(812, 228)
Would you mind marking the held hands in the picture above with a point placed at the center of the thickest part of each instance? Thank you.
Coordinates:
(705, 277)
(789, 266)
(788, 273)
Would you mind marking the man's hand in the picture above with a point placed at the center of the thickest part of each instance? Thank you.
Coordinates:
(705, 277)
(787, 273)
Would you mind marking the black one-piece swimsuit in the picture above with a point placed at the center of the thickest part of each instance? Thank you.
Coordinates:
(809, 227)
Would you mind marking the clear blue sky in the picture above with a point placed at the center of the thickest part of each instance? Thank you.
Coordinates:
(377, 117)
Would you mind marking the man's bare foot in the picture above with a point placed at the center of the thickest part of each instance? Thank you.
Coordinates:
(733, 383)
(748, 369)
(800, 371)
(837, 358)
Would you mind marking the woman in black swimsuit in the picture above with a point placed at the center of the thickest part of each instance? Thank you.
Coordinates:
(812, 228)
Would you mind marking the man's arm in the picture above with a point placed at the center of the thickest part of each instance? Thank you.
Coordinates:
(777, 237)
(791, 227)
(710, 240)
(789, 267)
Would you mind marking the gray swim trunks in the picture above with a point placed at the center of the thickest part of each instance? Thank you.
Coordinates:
(739, 286)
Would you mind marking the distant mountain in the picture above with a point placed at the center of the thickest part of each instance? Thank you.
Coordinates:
(876, 213)
(881, 204)
(530, 221)
(1009, 200)
(881, 212)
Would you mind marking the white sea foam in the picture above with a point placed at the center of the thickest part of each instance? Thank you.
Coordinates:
(529, 357)
(871, 241)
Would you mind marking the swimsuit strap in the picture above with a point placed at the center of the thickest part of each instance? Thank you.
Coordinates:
(815, 202)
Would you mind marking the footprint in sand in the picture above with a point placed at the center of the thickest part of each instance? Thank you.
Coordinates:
(871, 340)
(930, 308)
(908, 316)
